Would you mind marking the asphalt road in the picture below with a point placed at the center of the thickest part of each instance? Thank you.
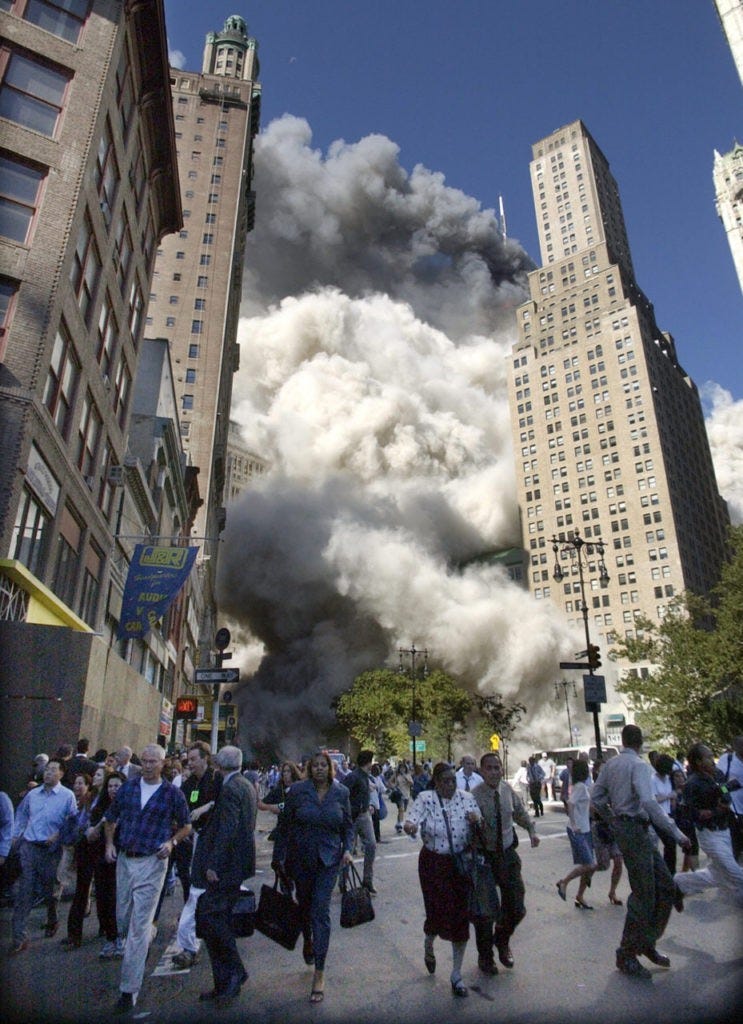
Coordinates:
(564, 967)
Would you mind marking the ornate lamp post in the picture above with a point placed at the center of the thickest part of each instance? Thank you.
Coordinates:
(580, 551)
(414, 726)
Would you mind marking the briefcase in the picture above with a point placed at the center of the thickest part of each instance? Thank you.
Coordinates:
(356, 901)
(278, 916)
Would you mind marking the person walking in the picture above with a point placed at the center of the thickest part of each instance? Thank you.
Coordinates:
(148, 817)
(200, 790)
(36, 831)
(623, 793)
(444, 815)
(708, 798)
(314, 836)
(467, 776)
(536, 778)
(579, 834)
(104, 873)
(223, 858)
(500, 806)
(731, 767)
(358, 784)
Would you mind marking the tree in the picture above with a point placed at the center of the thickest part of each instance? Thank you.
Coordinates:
(695, 689)
(497, 717)
(378, 706)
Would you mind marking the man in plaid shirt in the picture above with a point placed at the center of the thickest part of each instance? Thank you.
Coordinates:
(147, 819)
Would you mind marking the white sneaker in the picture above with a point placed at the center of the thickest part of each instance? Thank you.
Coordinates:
(108, 952)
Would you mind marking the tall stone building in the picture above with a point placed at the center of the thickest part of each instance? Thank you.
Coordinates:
(196, 291)
(730, 13)
(243, 465)
(727, 175)
(87, 169)
(608, 427)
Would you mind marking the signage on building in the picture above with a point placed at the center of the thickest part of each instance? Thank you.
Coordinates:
(156, 575)
(166, 717)
(43, 481)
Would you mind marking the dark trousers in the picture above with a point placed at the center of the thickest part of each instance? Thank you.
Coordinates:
(214, 917)
(650, 901)
(535, 792)
(313, 895)
(38, 869)
(105, 897)
(497, 931)
(85, 867)
(180, 859)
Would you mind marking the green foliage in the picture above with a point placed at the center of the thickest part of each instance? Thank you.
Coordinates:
(695, 690)
(496, 717)
(378, 706)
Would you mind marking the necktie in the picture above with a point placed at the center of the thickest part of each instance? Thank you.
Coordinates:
(466, 783)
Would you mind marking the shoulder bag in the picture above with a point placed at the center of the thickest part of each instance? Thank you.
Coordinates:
(278, 916)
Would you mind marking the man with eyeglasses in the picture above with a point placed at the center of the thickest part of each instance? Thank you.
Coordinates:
(147, 820)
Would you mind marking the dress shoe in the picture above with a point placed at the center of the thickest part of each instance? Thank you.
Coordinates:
(487, 966)
(51, 929)
(19, 947)
(185, 959)
(505, 955)
(232, 990)
(125, 1003)
(660, 959)
(628, 963)
(370, 888)
(430, 961)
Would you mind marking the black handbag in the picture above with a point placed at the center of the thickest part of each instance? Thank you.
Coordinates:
(242, 920)
(278, 916)
(356, 901)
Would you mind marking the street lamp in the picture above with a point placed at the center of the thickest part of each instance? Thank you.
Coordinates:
(579, 549)
(414, 726)
(565, 683)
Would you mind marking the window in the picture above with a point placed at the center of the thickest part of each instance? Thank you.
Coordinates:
(136, 305)
(106, 173)
(89, 433)
(202, 281)
(30, 542)
(199, 304)
(208, 239)
(63, 18)
(190, 376)
(124, 93)
(107, 332)
(187, 402)
(61, 381)
(122, 386)
(205, 259)
(20, 185)
(197, 326)
(193, 351)
(8, 292)
(32, 93)
(170, 321)
(86, 267)
(211, 218)
(67, 556)
(91, 583)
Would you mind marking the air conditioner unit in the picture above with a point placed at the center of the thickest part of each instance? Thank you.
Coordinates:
(116, 475)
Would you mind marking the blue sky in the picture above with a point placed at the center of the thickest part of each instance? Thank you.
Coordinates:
(466, 86)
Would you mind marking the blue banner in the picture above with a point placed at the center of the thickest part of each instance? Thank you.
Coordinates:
(155, 577)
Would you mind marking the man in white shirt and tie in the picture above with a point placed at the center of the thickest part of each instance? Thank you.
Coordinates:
(467, 777)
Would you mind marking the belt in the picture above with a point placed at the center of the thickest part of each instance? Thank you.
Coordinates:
(39, 842)
(131, 853)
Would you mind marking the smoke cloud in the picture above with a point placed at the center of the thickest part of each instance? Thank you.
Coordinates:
(725, 432)
(380, 315)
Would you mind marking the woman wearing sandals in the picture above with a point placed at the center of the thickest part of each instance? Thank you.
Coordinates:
(444, 815)
(579, 834)
(314, 836)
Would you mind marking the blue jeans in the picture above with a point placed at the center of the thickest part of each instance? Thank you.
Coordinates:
(364, 827)
(38, 867)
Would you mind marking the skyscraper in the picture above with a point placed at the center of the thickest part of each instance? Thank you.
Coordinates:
(608, 428)
(727, 175)
(196, 291)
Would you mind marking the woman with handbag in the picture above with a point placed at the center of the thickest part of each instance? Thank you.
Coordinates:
(444, 815)
(314, 836)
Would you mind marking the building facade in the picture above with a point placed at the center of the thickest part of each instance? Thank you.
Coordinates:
(727, 175)
(608, 428)
(87, 166)
(730, 13)
(196, 291)
(243, 465)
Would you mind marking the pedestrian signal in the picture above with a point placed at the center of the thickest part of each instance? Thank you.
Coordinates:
(495, 741)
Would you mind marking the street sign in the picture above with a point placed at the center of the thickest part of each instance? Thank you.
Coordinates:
(414, 729)
(216, 675)
(420, 746)
(222, 639)
(594, 690)
(574, 664)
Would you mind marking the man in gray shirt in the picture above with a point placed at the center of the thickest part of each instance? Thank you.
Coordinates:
(622, 795)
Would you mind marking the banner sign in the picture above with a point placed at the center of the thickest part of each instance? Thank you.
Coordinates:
(156, 574)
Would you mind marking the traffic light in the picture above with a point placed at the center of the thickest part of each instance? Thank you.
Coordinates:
(594, 657)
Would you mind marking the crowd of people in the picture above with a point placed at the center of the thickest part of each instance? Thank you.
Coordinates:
(127, 827)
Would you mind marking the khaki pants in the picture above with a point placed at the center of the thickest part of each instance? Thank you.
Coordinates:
(138, 884)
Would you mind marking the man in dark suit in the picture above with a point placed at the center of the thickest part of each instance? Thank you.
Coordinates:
(224, 856)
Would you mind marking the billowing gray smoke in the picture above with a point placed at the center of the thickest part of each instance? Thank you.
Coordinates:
(373, 378)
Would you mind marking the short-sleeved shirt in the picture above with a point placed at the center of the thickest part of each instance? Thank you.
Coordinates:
(143, 830)
(428, 813)
(199, 792)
